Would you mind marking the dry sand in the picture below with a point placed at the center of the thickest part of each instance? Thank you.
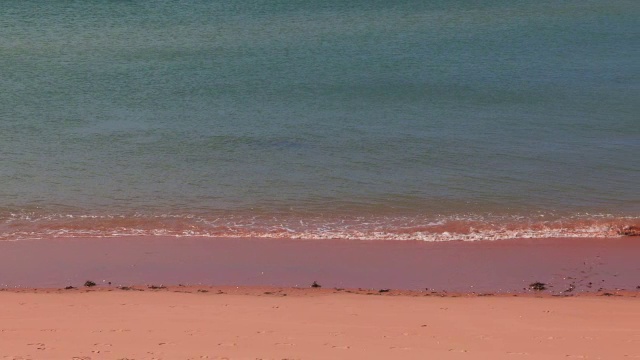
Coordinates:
(271, 323)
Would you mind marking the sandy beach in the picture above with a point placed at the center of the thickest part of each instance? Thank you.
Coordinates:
(199, 298)
(280, 323)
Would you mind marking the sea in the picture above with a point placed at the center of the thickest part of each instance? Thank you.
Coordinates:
(423, 120)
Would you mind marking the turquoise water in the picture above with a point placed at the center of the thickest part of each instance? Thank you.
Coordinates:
(363, 119)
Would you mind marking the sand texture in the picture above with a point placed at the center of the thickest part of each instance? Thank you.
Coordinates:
(262, 323)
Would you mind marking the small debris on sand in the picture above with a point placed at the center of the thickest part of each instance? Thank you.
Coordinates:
(538, 286)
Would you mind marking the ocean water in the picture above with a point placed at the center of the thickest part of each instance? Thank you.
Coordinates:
(413, 120)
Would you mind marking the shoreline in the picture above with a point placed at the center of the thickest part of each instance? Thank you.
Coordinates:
(27, 226)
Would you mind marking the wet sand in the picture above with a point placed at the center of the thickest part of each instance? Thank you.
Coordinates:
(579, 265)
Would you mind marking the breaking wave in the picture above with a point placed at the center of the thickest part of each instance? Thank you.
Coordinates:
(26, 225)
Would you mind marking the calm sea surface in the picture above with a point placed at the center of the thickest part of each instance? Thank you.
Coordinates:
(428, 120)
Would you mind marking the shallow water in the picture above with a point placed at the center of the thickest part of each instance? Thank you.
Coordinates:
(363, 119)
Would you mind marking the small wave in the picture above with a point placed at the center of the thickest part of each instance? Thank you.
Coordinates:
(461, 227)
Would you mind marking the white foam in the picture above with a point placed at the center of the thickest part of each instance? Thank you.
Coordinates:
(471, 227)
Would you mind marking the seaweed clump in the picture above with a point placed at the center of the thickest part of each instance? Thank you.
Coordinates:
(538, 286)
